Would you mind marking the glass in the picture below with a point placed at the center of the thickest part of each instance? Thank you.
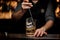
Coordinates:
(30, 26)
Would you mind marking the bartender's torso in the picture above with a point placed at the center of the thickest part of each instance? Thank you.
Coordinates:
(38, 12)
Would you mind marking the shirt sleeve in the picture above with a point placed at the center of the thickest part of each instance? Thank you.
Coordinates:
(18, 7)
(49, 12)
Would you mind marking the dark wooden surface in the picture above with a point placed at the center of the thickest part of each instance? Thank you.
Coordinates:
(23, 36)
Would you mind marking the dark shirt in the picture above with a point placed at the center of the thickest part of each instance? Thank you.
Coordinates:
(36, 10)
(41, 17)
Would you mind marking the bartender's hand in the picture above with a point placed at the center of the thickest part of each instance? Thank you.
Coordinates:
(40, 32)
(26, 5)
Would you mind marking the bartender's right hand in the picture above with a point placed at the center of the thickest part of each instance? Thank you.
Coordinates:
(26, 5)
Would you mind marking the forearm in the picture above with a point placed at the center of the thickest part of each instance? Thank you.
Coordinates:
(48, 24)
(49, 16)
(18, 14)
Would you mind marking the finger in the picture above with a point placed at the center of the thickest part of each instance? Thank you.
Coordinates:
(27, 7)
(35, 33)
(26, 3)
(38, 34)
(45, 33)
(41, 33)
(31, 5)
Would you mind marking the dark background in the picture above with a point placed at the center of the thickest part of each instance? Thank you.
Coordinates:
(55, 29)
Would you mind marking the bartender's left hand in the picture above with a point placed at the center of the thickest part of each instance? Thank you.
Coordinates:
(40, 32)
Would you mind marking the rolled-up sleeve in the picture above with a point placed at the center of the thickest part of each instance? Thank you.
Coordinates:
(49, 12)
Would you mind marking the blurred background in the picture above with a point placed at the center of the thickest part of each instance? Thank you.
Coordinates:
(6, 17)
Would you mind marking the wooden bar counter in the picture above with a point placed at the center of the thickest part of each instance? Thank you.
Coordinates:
(23, 36)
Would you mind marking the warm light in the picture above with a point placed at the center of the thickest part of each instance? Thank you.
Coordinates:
(58, 0)
(0, 7)
(6, 15)
(57, 12)
(8, 3)
(14, 4)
